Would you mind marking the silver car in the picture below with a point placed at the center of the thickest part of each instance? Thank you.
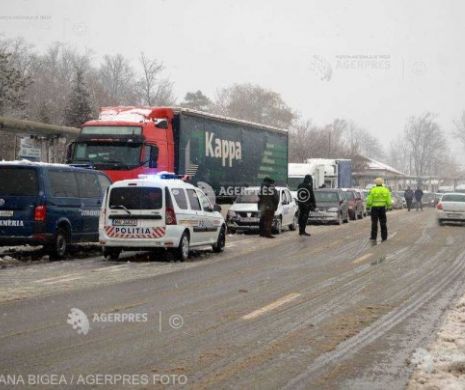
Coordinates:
(451, 208)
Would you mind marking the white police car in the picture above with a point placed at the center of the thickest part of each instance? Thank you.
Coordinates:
(159, 211)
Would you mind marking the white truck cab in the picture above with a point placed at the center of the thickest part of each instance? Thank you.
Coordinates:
(159, 211)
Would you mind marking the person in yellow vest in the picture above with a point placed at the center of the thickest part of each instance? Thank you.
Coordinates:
(379, 200)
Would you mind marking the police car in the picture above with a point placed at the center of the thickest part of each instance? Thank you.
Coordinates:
(159, 211)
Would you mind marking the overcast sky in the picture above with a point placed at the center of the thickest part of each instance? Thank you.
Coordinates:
(374, 62)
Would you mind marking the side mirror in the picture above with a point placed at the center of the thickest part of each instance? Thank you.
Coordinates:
(161, 123)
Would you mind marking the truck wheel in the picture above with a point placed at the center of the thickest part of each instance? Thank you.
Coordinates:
(182, 251)
(295, 222)
(59, 248)
(220, 242)
(278, 226)
(111, 253)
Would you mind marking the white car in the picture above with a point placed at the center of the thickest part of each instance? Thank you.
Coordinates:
(244, 215)
(159, 211)
(451, 208)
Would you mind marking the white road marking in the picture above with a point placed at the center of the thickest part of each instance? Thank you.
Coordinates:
(361, 258)
(111, 268)
(62, 280)
(55, 278)
(271, 306)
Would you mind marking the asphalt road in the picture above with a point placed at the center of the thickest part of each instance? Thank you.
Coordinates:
(329, 311)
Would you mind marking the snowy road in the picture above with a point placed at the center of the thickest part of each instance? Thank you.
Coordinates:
(330, 311)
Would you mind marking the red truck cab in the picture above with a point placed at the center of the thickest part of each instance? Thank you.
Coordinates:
(126, 141)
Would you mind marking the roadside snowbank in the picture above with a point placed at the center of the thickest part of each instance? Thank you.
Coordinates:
(442, 366)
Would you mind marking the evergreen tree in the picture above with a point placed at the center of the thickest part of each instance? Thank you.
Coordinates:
(197, 101)
(79, 109)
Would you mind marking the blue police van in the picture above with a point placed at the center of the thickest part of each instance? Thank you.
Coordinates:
(52, 205)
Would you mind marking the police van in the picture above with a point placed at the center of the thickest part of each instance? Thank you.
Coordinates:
(51, 205)
(159, 211)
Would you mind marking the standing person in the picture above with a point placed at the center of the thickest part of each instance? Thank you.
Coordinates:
(379, 199)
(418, 197)
(268, 200)
(306, 202)
(408, 195)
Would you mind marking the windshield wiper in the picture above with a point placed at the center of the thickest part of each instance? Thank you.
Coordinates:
(120, 206)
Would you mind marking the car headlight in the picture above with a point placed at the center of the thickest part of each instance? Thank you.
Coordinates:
(333, 209)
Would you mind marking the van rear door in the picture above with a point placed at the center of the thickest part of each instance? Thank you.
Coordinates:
(20, 189)
(135, 212)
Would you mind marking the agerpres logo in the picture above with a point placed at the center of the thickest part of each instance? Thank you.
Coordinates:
(226, 150)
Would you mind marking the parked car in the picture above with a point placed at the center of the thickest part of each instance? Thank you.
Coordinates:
(451, 208)
(243, 215)
(402, 203)
(52, 205)
(428, 199)
(397, 201)
(355, 203)
(159, 211)
(331, 207)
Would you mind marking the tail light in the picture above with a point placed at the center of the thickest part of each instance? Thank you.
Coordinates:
(439, 206)
(170, 215)
(40, 213)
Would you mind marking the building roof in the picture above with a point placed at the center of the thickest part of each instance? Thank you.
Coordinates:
(374, 165)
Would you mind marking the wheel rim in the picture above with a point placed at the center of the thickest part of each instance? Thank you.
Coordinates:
(185, 247)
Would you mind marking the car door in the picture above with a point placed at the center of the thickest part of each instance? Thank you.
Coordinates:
(292, 207)
(196, 216)
(208, 227)
(89, 191)
(284, 200)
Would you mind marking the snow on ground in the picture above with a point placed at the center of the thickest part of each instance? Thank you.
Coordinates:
(442, 366)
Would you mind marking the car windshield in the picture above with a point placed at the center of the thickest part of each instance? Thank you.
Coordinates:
(17, 181)
(109, 155)
(348, 195)
(131, 198)
(328, 197)
(453, 198)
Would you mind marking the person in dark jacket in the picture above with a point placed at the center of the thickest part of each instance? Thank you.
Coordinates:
(408, 195)
(418, 197)
(268, 200)
(306, 202)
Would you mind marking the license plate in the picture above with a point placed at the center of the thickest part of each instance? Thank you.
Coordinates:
(250, 219)
(6, 213)
(454, 215)
(125, 222)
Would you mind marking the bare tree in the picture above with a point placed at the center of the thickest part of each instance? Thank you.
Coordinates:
(460, 129)
(254, 103)
(154, 89)
(300, 141)
(117, 78)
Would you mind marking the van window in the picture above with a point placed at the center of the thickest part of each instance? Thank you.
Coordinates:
(18, 181)
(193, 199)
(180, 197)
(63, 184)
(204, 200)
(136, 198)
(104, 182)
(88, 185)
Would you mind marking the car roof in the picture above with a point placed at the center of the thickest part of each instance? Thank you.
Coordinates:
(328, 190)
(40, 164)
(154, 182)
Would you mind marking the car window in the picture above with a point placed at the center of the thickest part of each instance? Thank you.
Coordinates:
(348, 195)
(204, 200)
(284, 197)
(18, 181)
(63, 184)
(104, 182)
(88, 185)
(453, 198)
(323, 196)
(180, 198)
(193, 199)
(136, 198)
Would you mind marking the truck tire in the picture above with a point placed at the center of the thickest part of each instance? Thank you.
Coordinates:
(182, 251)
(59, 248)
(220, 242)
